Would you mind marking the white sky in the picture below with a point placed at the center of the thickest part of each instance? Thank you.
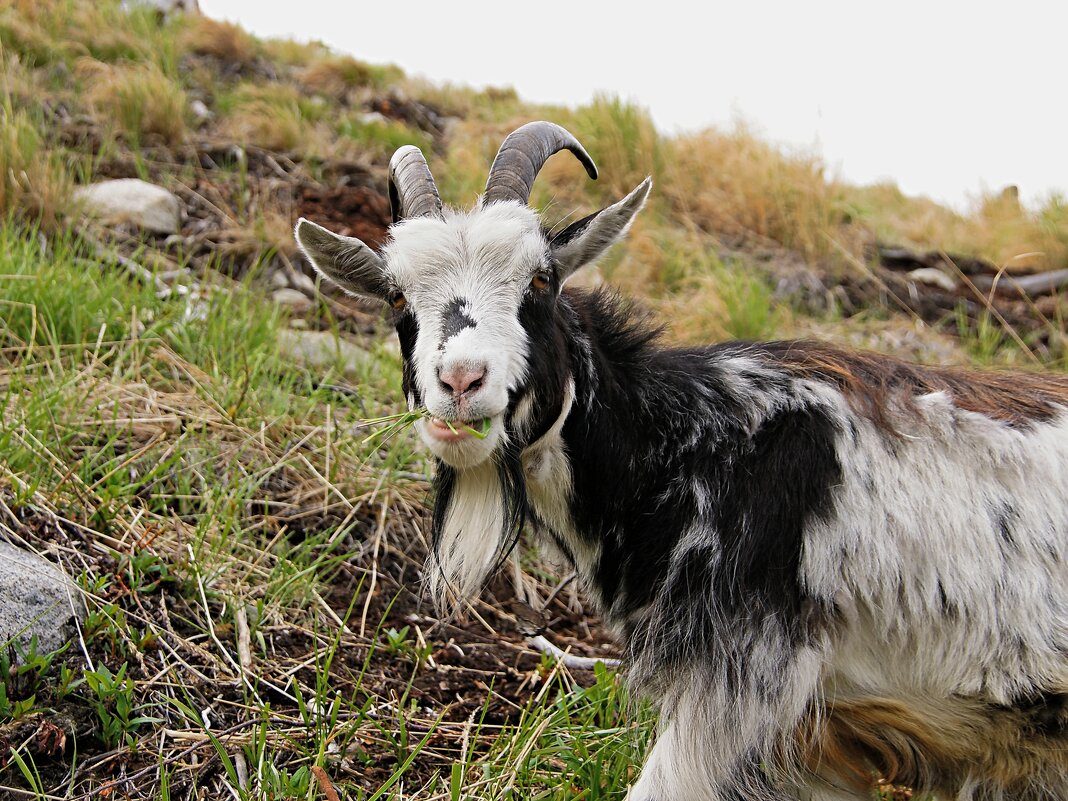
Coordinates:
(944, 97)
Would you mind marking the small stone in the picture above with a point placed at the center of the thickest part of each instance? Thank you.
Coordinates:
(300, 281)
(165, 7)
(933, 277)
(200, 111)
(36, 599)
(293, 300)
(131, 200)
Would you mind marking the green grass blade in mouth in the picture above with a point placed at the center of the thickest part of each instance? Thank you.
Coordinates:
(487, 423)
(394, 425)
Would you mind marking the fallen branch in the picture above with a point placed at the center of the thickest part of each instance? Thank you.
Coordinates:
(568, 660)
(1025, 285)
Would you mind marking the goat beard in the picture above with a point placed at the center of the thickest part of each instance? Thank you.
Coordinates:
(477, 520)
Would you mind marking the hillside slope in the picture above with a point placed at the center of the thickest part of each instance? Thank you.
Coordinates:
(206, 442)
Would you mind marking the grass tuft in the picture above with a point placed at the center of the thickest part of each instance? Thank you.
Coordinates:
(626, 143)
(225, 41)
(34, 183)
(336, 75)
(276, 118)
(140, 100)
(732, 184)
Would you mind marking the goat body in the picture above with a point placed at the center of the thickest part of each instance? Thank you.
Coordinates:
(828, 568)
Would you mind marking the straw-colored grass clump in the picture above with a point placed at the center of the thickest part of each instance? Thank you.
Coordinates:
(34, 183)
(137, 98)
(336, 75)
(734, 185)
(225, 41)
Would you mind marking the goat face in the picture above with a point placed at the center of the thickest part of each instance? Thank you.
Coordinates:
(472, 296)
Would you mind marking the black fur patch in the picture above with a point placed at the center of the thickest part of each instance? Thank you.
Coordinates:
(454, 320)
(547, 361)
(1004, 517)
(776, 483)
(1047, 713)
(407, 333)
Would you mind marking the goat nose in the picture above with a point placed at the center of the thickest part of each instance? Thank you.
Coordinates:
(463, 378)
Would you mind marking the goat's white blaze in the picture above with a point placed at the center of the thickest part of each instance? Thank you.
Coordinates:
(477, 264)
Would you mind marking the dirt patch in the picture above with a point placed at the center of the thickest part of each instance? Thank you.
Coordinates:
(349, 211)
(395, 660)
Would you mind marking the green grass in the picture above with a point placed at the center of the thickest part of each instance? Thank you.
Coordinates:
(591, 737)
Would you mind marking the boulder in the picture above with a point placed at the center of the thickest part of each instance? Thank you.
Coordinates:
(294, 300)
(131, 200)
(36, 599)
(321, 350)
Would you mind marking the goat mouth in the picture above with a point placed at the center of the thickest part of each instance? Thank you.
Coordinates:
(458, 430)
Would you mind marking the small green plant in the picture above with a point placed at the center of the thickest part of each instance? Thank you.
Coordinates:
(113, 701)
(12, 709)
(280, 783)
(983, 337)
(21, 678)
(398, 642)
(146, 572)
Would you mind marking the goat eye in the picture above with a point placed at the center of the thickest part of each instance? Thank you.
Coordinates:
(540, 280)
(397, 300)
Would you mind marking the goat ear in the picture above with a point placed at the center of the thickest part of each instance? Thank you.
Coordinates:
(345, 260)
(583, 241)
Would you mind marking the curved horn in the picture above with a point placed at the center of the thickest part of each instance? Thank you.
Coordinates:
(521, 157)
(412, 191)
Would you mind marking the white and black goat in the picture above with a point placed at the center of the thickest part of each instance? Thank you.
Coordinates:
(828, 568)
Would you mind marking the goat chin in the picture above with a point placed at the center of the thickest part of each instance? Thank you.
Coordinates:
(467, 453)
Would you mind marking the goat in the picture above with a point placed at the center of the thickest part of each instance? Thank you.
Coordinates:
(828, 568)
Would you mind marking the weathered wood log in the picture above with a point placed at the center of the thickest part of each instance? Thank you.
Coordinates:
(1023, 285)
(895, 257)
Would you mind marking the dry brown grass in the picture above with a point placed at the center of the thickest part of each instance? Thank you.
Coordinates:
(997, 227)
(265, 231)
(732, 184)
(336, 75)
(34, 184)
(139, 99)
(267, 125)
(49, 31)
(225, 41)
(274, 117)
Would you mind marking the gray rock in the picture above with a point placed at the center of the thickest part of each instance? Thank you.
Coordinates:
(200, 111)
(293, 299)
(131, 200)
(36, 598)
(321, 350)
(165, 7)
